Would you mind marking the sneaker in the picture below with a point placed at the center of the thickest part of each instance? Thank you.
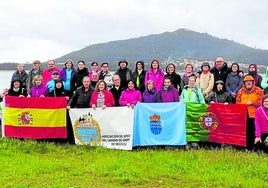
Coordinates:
(265, 142)
(194, 145)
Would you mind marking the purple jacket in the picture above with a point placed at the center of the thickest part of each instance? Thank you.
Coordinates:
(256, 76)
(130, 96)
(63, 73)
(150, 96)
(37, 91)
(169, 95)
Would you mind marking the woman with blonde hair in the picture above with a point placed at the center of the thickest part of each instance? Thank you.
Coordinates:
(38, 89)
(150, 95)
(191, 92)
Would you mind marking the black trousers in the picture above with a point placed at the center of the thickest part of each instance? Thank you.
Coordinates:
(70, 133)
(262, 146)
(250, 133)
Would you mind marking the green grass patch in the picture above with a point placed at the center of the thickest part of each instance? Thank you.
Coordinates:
(43, 164)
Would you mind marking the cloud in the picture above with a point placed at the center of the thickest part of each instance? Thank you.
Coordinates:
(31, 48)
(59, 27)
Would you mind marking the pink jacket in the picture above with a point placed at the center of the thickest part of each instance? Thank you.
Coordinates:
(130, 96)
(157, 78)
(261, 123)
(47, 74)
(108, 98)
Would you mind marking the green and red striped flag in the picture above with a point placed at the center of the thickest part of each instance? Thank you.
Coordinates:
(35, 118)
(216, 122)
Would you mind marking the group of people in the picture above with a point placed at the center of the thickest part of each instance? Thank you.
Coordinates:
(99, 88)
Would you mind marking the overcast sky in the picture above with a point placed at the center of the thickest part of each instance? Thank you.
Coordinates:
(47, 29)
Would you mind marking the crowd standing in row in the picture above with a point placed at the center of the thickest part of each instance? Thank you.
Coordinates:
(99, 88)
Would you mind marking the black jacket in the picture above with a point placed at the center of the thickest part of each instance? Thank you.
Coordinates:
(77, 78)
(81, 98)
(134, 76)
(116, 93)
(220, 74)
(219, 97)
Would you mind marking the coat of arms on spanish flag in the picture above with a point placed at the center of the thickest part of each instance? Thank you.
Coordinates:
(34, 118)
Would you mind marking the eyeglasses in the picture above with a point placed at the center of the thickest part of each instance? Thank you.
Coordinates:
(105, 66)
(55, 74)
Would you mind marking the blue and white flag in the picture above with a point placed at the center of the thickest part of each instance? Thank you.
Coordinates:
(159, 124)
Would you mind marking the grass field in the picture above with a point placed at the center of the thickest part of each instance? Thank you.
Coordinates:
(42, 164)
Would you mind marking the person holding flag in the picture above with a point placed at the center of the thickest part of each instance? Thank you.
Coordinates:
(261, 125)
(250, 95)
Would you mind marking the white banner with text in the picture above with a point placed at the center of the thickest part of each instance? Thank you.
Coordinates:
(110, 128)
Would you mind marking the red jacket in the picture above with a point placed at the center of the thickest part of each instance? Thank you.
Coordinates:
(108, 98)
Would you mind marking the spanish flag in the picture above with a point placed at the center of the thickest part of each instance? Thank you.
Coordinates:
(35, 118)
(219, 123)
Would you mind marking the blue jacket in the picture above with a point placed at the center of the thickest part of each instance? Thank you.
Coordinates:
(233, 82)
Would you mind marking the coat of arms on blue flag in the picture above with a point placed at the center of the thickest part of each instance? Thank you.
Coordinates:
(155, 124)
(159, 124)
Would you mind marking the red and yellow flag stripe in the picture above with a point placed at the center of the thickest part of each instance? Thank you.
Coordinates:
(35, 117)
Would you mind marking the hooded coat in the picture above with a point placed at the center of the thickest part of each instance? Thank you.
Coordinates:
(174, 77)
(233, 82)
(20, 91)
(139, 76)
(256, 76)
(22, 76)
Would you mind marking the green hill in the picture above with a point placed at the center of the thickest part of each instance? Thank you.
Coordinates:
(181, 43)
(176, 45)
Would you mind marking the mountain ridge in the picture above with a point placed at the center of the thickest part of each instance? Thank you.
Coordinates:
(181, 43)
(176, 46)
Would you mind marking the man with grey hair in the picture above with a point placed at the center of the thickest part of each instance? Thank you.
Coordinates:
(220, 70)
(116, 90)
(36, 70)
(20, 74)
